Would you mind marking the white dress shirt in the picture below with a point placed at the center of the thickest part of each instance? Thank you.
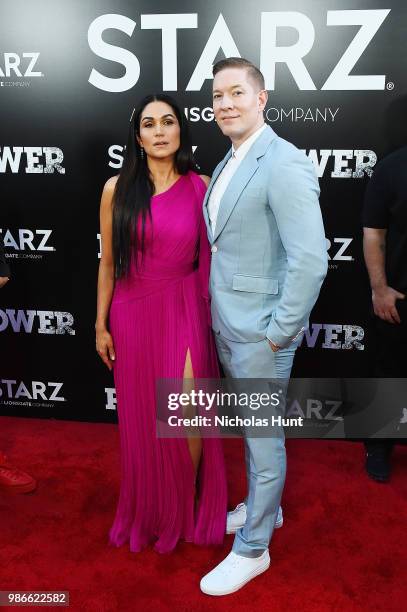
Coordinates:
(227, 173)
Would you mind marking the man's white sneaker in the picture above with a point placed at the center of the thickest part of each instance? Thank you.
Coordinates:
(237, 518)
(280, 519)
(234, 572)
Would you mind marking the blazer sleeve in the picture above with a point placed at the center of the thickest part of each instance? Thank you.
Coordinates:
(293, 193)
(4, 267)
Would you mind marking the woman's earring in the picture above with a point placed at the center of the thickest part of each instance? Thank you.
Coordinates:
(142, 152)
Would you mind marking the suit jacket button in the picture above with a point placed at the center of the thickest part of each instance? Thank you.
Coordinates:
(214, 248)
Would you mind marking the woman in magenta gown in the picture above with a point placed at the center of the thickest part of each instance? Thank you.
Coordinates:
(153, 322)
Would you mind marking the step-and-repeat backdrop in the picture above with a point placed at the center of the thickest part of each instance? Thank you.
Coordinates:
(71, 73)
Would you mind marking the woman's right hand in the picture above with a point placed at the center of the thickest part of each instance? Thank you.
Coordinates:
(105, 348)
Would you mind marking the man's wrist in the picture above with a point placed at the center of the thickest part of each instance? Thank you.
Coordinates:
(379, 287)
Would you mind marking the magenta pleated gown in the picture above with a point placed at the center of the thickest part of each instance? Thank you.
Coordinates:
(156, 315)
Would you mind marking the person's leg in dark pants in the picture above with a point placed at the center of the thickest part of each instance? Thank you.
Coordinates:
(390, 362)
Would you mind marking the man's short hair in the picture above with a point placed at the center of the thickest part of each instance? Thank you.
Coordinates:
(239, 62)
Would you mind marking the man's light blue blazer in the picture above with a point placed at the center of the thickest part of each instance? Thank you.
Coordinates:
(269, 255)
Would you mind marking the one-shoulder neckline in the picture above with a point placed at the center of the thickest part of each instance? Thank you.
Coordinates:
(158, 195)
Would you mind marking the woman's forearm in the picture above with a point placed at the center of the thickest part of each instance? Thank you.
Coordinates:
(104, 295)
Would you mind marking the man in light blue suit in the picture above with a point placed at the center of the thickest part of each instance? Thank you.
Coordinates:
(269, 260)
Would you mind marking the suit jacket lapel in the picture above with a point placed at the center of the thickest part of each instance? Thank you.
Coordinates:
(215, 175)
(238, 182)
(241, 177)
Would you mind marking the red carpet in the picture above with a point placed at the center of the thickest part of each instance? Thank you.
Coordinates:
(343, 546)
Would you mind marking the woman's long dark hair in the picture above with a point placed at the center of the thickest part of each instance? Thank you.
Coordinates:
(134, 187)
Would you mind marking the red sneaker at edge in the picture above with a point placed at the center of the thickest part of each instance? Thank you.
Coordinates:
(13, 480)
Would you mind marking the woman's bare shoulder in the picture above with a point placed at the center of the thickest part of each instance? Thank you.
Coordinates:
(206, 179)
(111, 183)
(106, 201)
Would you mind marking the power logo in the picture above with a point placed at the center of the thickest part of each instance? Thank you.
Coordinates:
(12, 158)
(40, 321)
